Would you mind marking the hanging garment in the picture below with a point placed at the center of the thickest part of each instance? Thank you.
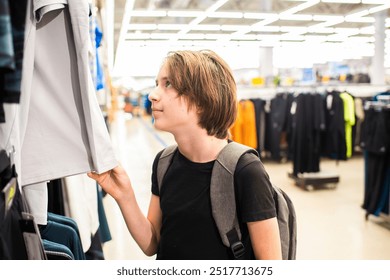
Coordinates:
(244, 129)
(260, 122)
(307, 124)
(55, 197)
(104, 229)
(12, 30)
(100, 84)
(19, 234)
(63, 234)
(81, 204)
(349, 120)
(62, 128)
(359, 113)
(11, 207)
(375, 141)
(12, 23)
(275, 123)
(289, 126)
(57, 251)
(333, 139)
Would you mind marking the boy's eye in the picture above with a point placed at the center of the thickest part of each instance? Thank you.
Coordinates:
(168, 84)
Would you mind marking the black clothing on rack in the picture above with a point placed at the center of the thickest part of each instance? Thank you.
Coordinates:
(19, 234)
(11, 237)
(333, 138)
(306, 126)
(275, 123)
(13, 15)
(375, 141)
(259, 105)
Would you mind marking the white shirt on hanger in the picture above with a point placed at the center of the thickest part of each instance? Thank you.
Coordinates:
(62, 129)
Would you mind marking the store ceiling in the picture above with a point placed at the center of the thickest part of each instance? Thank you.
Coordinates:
(214, 23)
(262, 22)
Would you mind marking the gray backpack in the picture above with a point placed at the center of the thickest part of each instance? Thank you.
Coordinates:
(223, 201)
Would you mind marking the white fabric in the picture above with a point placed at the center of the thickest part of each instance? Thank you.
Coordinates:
(9, 135)
(64, 132)
(81, 199)
(37, 192)
(62, 129)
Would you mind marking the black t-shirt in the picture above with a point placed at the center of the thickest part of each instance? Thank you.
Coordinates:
(188, 229)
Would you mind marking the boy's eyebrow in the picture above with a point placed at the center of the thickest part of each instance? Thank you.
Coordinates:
(162, 79)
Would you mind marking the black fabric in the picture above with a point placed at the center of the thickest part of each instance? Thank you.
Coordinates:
(2, 112)
(236, 245)
(104, 229)
(375, 135)
(275, 123)
(377, 167)
(289, 126)
(308, 121)
(375, 141)
(188, 230)
(4, 164)
(333, 140)
(95, 251)
(260, 122)
(55, 197)
(11, 239)
(10, 72)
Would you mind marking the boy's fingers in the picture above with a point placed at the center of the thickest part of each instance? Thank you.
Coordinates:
(92, 175)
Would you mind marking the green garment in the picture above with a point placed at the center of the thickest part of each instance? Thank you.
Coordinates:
(349, 120)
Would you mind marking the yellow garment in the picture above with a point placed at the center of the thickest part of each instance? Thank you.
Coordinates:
(349, 120)
(244, 129)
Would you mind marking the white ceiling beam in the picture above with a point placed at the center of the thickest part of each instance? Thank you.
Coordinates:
(324, 27)
(379, 8)
(147, 13)
(200, 18)
(301, 7)
(260, 15)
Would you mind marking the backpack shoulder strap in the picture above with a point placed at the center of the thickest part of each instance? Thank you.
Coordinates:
(222, 194)
(164, 162)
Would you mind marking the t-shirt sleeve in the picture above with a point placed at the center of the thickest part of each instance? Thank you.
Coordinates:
(255, 194)
(155, 189)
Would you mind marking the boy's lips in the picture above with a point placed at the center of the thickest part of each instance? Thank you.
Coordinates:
(156, 110)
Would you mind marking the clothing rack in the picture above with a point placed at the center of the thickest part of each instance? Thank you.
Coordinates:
(266, 93)
(376, 147)
(383, 103)
(27, 164)
(312, 178)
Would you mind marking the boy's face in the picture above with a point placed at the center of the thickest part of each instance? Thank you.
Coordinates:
(170, 111)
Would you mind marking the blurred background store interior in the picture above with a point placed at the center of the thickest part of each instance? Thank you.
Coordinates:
(273, 47)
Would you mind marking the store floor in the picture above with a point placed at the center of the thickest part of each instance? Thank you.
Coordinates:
(331, 223)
